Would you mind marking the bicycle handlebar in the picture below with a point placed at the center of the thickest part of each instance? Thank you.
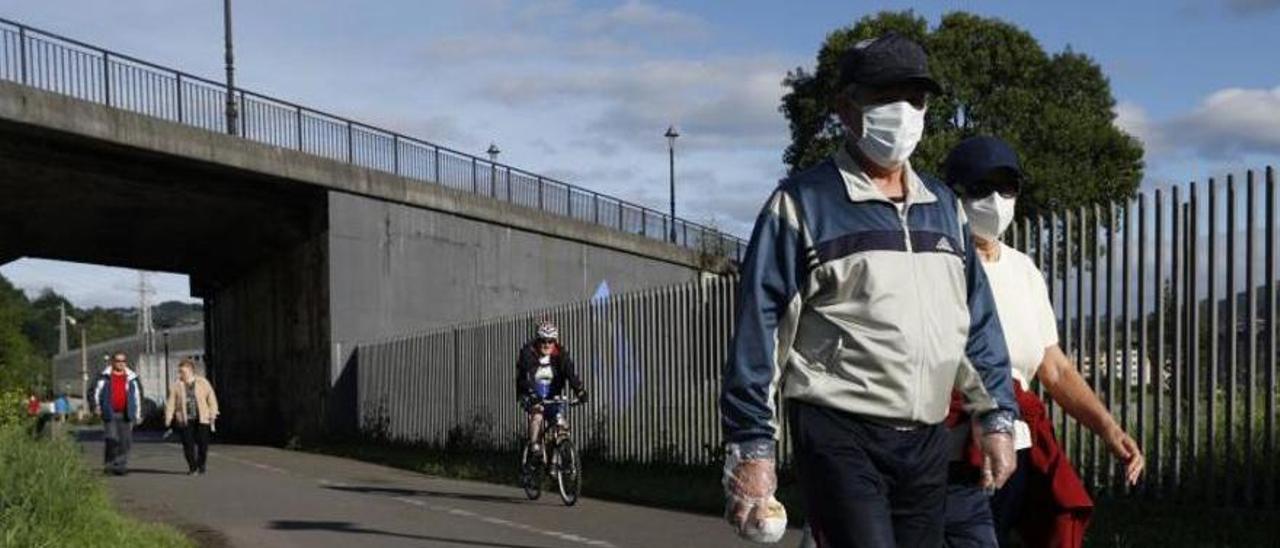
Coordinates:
(560, 399)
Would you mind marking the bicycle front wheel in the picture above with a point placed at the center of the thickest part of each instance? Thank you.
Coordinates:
(568, 473)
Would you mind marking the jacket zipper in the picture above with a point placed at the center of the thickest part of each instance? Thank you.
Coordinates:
(915, 354)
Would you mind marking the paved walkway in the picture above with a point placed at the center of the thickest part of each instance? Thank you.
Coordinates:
(260, 496)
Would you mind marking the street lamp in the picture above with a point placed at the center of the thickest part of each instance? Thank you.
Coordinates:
(493, 170)
(166, 357)
(671, 135)
(84, 369)
(231, 79)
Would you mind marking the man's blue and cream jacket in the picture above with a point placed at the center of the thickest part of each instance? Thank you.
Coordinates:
(850, 302)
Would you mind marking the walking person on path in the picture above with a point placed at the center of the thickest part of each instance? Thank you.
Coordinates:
(117, 398)
(191, 408)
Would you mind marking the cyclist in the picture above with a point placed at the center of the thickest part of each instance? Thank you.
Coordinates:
(542, 369)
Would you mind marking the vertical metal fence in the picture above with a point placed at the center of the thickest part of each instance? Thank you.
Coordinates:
(1166, 303)
(54, 63)
(651, 362)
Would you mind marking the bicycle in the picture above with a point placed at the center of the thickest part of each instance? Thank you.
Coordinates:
(563, 465)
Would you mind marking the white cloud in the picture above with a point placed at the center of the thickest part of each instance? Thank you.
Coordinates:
(1251, 7)
(717, 103)
(637, 16)
(1228, 125)
(1133, 119)
(92, 285)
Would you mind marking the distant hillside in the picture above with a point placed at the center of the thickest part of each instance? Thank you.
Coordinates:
(101, 324)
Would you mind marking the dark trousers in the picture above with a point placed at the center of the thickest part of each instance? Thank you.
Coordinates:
(117, 440)
(976, 520)
(869, 485)
(195, 445)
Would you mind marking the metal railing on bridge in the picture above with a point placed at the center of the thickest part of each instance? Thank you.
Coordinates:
(1180, 345)
(55, 63)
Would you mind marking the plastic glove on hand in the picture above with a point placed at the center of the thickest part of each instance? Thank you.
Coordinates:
(750, 506)
(998, 460)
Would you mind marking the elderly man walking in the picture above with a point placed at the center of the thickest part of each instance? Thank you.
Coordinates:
(117, 398)
(864, 303)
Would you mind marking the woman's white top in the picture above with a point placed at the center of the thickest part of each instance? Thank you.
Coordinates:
(1026, 315)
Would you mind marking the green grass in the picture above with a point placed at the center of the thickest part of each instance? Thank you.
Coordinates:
(48, 497)
(1118, 522)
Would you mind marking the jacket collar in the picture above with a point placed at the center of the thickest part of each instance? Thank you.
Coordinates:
(128, 373)
(859, 187)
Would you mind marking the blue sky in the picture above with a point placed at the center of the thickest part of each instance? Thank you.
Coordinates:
(582, 90)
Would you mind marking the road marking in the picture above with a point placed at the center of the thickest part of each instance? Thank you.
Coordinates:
(248, 462)
(577, 539)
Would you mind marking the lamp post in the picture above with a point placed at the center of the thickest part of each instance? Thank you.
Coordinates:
(493, 169)
(231, 79)
(84, 369)
(671, 135)
(166, 358)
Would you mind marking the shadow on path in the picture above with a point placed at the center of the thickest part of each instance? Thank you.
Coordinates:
(371, 490)
(348, 527)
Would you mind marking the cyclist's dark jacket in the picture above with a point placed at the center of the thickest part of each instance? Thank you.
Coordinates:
(563, 367)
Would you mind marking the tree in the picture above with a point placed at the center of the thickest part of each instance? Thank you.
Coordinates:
(21, 366)
(1057, 111)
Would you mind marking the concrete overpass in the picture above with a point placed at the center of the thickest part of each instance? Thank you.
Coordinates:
(298, 246)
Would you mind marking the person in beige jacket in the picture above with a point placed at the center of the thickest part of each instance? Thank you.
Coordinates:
(192, 408)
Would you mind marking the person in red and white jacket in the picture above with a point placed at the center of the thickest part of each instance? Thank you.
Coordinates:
(117, 398)
(1044, 500)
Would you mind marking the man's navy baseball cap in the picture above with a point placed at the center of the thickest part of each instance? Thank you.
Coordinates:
(888, 60)
(970, 163)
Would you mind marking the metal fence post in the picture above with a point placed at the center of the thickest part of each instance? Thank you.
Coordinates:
(351, 152)
(1251, 331)
(106, 75)
(1233, 345)
(474, 186)
(1211, 406)
(298, 119)
(395, 152)
(22, 52)
(1269, 407)
(178, 97)
(436, 164)
(457, 373)
(508, 184)
(540, 193)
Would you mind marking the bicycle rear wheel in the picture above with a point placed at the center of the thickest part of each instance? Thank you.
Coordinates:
(568, 473)
(531, 473)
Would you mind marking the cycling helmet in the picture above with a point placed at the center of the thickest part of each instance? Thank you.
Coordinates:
(548, 330)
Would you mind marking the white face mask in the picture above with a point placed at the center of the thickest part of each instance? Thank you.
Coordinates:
(990, 216)
(890, 133)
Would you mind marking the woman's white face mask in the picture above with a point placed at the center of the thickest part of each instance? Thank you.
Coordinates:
(890, 132)
(989, 217)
